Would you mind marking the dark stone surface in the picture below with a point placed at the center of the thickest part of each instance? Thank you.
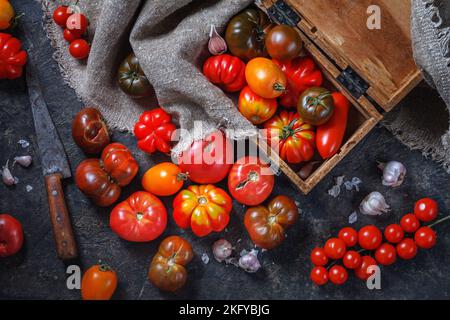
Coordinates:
(37, 273)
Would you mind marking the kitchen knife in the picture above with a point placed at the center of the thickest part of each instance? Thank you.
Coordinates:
(55, 167)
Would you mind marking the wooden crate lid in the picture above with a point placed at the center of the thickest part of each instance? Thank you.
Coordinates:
(383, 58)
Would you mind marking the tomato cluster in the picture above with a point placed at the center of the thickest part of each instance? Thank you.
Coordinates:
(75, 26)
(402, 240)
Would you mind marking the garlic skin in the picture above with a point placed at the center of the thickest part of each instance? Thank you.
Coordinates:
(24, 161)
(374, 205)
(222, 250)
(249, 262)
(216, 45)
(394, 173)
(7, 177)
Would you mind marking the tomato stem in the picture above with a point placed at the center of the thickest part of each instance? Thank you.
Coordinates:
(279, 87)
(104, 268)
(439, 221)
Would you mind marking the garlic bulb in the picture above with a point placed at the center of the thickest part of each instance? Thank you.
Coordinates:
(24, 161)
(394, 173)
(222, 250)
(216, 44)
(249, 262)
(374, 205)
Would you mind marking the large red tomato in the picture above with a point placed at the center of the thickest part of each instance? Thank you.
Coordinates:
(140, 218)
(208, 160)
(226, 72)
(204, 208)
(250, 181)
(11, 235)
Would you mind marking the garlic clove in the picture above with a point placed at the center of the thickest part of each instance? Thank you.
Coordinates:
(394, 173)
(7, 176)
(374, 204)
(222, 250)
(24, 161)
(216, 45)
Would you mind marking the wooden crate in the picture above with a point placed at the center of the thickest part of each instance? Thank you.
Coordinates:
(370, 67)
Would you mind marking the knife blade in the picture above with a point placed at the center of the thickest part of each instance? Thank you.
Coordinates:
(55, 166)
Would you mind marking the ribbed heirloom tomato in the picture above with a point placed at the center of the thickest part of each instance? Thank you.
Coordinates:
(164, 179)
(204, 208)
(98, 283)
(89, 131)
(226, 72)
(140, 218)
(12, 57)
(254, 108)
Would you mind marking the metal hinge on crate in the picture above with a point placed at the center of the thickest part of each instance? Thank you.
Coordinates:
(282, 13)
(356, 85)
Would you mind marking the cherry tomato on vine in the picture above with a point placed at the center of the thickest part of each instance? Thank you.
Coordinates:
(362, 271)
(319, 257)
(352, 259)
(409, 223)
(319, 275)
(79, 49)
(61, 14)
(338, 275)
(369, 237)
(98, 283)
(164, 179)
(78, 22)
(349, 236)
(386, 254)
(426, 209)
(407, 249)
(335, 248)
(425, 238)
(71, 35)
(394, 233)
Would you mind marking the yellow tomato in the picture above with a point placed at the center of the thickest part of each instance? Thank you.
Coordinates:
(6, 14)
(265, 78)
(164, 179)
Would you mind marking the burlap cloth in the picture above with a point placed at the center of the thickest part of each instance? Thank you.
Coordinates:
(169, 38)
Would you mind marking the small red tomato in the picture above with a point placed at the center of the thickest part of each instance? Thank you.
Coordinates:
(318, 257)
(425, 238)
(78, 22)
(386, 254)
(426, 209)
(352, 259)
(335, 248)
(370, 237)
(394, 233)
(79, 49)
(319, 275)
(410, 223)
(362, 271)
(11, 235)
(61, 14)
(407, 249)
(349, 236)
(71, 35)
(338, 275)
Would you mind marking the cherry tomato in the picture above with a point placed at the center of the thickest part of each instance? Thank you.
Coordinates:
(61, 14)
(265, 78)
(319, 257)
(254, 108)
(338, 275)
(425, 238)
(386, 254)
(79, 49)
(319, 275)
(250, 181)
(370, 237)
(98, 283)
(349, 236)
(394, 233)
(335, 248)
(409, 223)
(78, 22)
(362, 271)
(426, 209)
(283, 43)
(407, 249)
(352, 259)
(11, 235)
(164, 179)
(71, 35)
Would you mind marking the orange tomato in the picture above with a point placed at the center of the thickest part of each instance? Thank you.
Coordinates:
(164, 179)
(255, 108)
(6, 14)
(265, 78)
(99, 283)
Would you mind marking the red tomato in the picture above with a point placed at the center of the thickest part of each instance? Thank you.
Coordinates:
(12, 57)
(79, 49)
(409, 223)
(370, 237)
(71, 35)
(119, 163)
(425, 238)
(319, 257)
(11, 235)
(319, 275)
(140, 218)
(208, 161)
(99, 283)
(386, 254)
(335, 248)
(204, 208)
(349, 236)
(78, 22)
(394, 233)
(338, 275)
(250, 181)
(362, 271)
(426, 209)
(407, 249)
(330, 135)
(352, 260)
(61, 14)
(226, 72)
(254, 108)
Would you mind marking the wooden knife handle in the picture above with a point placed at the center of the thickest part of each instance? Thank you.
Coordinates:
(66, 247)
